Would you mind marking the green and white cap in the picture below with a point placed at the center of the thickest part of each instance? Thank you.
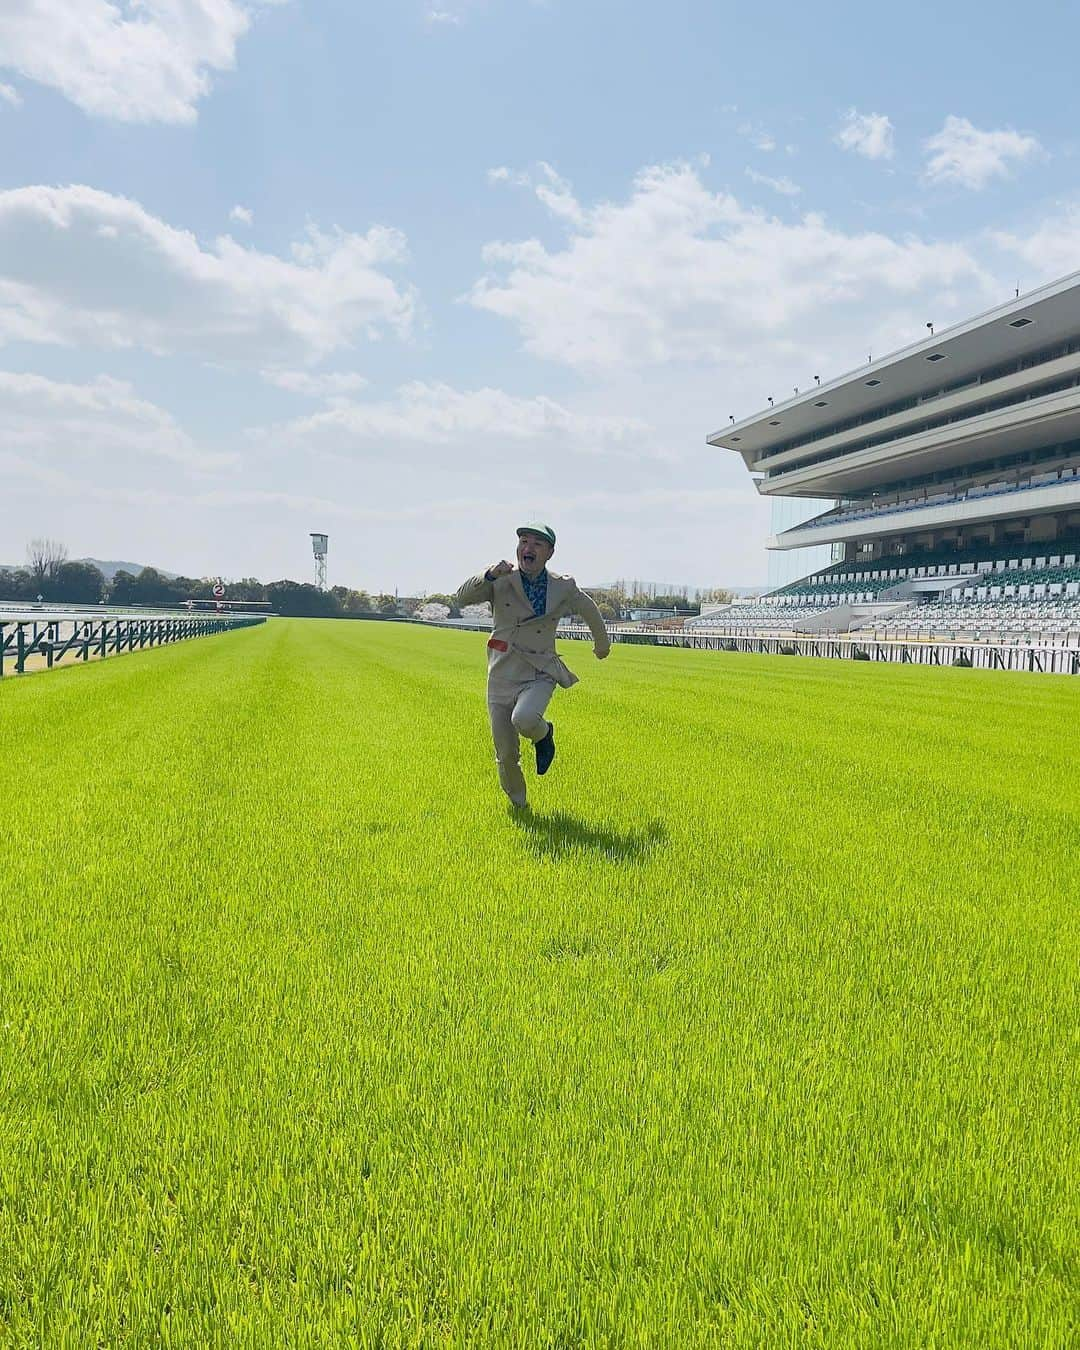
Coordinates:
(535, 527)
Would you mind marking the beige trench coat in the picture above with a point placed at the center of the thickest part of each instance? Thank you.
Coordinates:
(522, 646)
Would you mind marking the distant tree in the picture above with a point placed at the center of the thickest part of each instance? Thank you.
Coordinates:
(192, 588)
(448, 601)
(43, 557)
(16, 583)
(150, 587)
(431, 609)
(350, 601)
(247, 588)
(299, 599)
(77, 583)
(609, 597)
(386, 604)
(122, 588)
(717, 595)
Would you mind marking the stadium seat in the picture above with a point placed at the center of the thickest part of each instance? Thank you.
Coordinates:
(1007, 591)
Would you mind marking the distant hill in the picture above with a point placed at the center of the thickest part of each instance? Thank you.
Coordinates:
(109, 569)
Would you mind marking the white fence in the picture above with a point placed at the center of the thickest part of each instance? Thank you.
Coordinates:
(1039, 658)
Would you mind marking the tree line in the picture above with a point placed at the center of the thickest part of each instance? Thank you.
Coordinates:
(50, 575)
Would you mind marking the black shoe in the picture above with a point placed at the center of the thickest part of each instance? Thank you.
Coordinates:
(545, 750)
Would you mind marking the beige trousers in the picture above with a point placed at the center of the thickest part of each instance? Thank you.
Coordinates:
(516, 708)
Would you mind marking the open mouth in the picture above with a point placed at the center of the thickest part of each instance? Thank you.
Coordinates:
(528, 557)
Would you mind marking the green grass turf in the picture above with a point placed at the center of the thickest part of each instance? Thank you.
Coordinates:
(762, 1031)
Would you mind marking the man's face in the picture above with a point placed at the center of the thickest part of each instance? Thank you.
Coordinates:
(533, 551)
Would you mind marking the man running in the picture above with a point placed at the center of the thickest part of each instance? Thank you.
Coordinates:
(523, 666)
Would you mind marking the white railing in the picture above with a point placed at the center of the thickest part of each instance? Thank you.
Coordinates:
(1037, 657)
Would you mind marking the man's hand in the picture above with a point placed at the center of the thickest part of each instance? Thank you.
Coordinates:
(601, 652)
(499, 569)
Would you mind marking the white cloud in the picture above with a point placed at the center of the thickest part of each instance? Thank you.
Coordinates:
(9, 94)
(685, 502)
(961, 153)
(679, 273)
(757, 135)
(868, 134)
(150, 61)
(515, 177)
(254, 504)
(436, 475)
(59, 483)
(392, 513)
(1051, 248)
(423, 414)
(783, 185)
(555, 192)
(82, 267)
(558, 197)
(242, 215)
(443, 16)
(46, 418)
(331, 384)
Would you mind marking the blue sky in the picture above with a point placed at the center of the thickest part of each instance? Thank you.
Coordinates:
(410, 272)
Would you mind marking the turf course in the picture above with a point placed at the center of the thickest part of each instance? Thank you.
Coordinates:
(762, 1031)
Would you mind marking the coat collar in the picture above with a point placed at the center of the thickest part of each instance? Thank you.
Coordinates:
(557, 587)
(555, 592)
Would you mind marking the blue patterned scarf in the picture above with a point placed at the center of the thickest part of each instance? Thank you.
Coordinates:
(536, 591)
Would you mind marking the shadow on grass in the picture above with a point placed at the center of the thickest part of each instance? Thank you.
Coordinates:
(554, 834)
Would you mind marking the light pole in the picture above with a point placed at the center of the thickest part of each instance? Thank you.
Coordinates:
(318, 547)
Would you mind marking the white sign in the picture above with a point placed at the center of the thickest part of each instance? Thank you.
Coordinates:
(219, 590)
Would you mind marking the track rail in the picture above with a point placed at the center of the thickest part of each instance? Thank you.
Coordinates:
(23, 639)
(1039, 659)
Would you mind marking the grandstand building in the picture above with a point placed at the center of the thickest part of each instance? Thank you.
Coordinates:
(954, 466)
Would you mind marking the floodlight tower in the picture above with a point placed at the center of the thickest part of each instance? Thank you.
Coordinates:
(318, 547)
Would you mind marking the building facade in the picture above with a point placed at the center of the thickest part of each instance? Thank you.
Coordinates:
(786, 565)
(963, 445)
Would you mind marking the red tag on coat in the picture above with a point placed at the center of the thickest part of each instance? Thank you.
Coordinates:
(498, 644)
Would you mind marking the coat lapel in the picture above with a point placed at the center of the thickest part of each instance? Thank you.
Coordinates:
(557, 589)
(519, 593)
(556, 592)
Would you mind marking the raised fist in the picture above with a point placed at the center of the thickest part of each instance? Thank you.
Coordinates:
(500, 569)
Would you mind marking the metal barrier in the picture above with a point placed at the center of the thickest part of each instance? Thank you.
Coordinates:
(978, 655)
(25, 638)
(1046, 660)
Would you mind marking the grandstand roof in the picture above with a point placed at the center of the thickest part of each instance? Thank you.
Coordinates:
(1006, 333)
(1034, 422)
